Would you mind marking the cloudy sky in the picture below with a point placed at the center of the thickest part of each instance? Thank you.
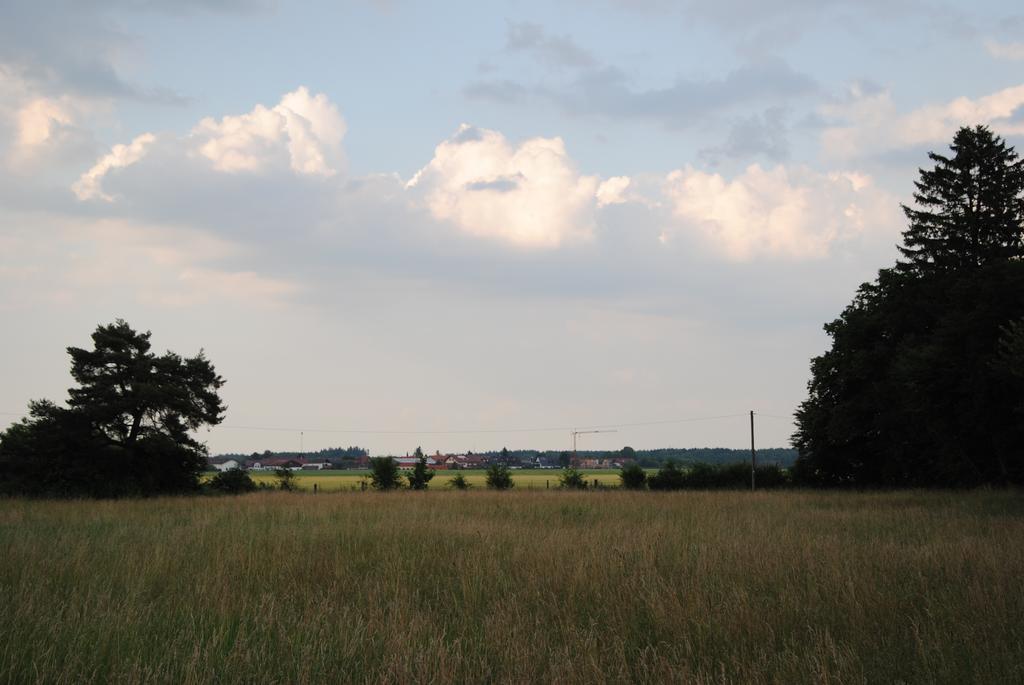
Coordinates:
(451, 227)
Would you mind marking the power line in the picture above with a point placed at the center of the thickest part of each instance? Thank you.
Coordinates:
(481, 431)
(668, 421)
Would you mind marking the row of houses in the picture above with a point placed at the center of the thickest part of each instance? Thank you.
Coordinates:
(438, 461)
(274, 463)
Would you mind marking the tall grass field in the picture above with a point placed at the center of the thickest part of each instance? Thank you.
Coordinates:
(520, 586)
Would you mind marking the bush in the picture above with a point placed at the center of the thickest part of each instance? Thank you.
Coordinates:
(384, 473)
(286, 480)
(499, 477)
(668, 477)
(459, 482)
(231, 482)
(702, 477)
(633, 477)
(771, 476)
(571, 479)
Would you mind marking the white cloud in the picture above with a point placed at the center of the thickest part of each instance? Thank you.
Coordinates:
(613, 191)
(1008, 51)
(38, 130)
(39, 119)
(529, 195)
(302, 133)
(305, 129)
(89, 186)
(792, 214)
(872, 123)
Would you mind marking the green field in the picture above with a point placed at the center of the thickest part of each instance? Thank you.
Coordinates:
(521, 586)
(528, 479)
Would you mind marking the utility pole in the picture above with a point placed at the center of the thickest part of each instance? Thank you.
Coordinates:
(575, 461)
(753, 454)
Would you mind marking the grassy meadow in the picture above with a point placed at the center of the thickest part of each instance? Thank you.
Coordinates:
(521, 586)
(350, 479)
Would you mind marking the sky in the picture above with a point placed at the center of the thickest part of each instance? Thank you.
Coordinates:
(466, 225)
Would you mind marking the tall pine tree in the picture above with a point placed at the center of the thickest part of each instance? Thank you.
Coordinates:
(918, 387)
(970, 209)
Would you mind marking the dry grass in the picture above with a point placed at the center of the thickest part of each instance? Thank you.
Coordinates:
(516, 587)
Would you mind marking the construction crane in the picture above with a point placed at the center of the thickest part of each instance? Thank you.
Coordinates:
(575, 461)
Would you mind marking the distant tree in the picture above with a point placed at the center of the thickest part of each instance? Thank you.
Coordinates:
(127, 428)
(420, 474)
(503, 457)
(231, 482)
(916, 389)
(668, 477)
(565, 459)
(627, 453)
(571, 479)
(459, 482)
(286, 480)
(384, 473)
(633, 477)
(499, 477)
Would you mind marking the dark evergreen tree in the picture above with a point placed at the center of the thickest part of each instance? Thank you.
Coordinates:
(969, 207)
(127, 428)
(498, 477)
(916, 388)
(384, 473)
(420, 475)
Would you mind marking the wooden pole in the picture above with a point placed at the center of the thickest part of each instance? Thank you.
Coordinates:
(753, 454)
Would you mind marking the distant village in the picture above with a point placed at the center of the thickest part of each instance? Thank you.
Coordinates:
(359, 458)
(439, 462)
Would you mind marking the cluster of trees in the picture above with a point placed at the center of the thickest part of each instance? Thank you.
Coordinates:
(703, 477)
(385, 475)
(127, 428)
(341, 457)
(783, 456)
(924, 381)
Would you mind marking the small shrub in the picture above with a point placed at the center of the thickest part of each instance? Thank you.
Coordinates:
(668, 477)
(286, 480)
(459, 482)
(232, 482)
(499, 477)
(633, 477)
(384, 473)
(571, 479)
